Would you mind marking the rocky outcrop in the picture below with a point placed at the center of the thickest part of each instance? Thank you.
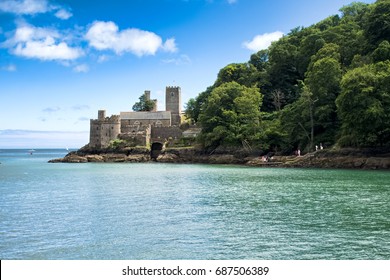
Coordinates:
(344, 158)
(74, 157)
(71, 158)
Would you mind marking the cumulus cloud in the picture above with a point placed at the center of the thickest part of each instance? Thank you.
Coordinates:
(107, 36)
(40, 43)
(261, 42)
(63, 14)
(170, 45)
(82, 68)
(25, 7)
(32, 7)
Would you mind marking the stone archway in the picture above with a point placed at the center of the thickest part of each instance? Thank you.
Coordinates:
(156, 150)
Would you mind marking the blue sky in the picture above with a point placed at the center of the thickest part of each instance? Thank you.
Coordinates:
(62, 60)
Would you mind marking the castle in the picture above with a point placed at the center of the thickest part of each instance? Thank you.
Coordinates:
(140, 128)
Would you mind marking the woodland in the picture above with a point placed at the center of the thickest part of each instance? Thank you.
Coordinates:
(326, 84)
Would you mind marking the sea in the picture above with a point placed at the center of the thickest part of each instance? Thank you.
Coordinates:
(156, 211)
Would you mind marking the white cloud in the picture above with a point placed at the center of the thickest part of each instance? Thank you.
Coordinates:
(232, 1)
(40, 43)
(9, 68)
(106, 36)
(261, 42)
(82, 68)
(24, 7)
(181, 60)
(170, 45)
(32, 7)
(63, 14)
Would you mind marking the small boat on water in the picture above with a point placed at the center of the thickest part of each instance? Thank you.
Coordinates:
(31, 151)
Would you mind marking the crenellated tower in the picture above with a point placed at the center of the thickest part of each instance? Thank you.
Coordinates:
(172, 103)
(104, 129)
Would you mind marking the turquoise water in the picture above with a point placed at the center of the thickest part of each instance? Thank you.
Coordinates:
(169, 211)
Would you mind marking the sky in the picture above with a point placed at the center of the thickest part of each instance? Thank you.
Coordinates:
(63, 60)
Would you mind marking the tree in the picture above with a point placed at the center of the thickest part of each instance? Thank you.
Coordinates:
(364, 106)
(231, 115)
(323, 82)
(242, 73)
(195, 105)
(382, 53)
(144, 104)
(355, 9)
(278, 99)
(295, 123)
(283, 72)
(259, 60)
(298, 120)
(378, 23)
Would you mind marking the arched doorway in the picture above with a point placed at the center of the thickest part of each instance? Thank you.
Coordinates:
(156, 150)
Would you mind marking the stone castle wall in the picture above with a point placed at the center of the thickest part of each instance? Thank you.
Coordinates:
(103, 130)
(166, 132)
(137, 138)
(140, 120)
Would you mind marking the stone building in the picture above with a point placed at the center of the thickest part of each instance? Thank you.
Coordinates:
(139, 128)
(104, 129)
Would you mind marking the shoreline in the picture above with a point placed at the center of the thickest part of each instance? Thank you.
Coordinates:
(324, 159)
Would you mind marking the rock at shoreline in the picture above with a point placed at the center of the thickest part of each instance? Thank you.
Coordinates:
(94, 158)
(70, 158)
(348, 159)
(168, 158)
(111, 157)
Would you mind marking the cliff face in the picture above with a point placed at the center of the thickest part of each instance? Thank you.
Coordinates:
(344, 158)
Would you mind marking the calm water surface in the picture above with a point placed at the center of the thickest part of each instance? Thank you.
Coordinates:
(168, 211)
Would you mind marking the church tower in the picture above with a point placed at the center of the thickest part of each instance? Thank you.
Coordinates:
(172, 103)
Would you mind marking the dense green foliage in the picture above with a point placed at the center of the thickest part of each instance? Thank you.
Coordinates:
(231, 115)
(328, 83)
(143, 104)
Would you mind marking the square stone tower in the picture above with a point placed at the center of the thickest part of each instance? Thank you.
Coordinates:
(103, 130)
(173, 103)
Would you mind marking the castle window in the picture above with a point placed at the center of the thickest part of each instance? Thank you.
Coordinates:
(172, 93)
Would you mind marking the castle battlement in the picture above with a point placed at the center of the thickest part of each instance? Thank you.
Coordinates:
(111, 119)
